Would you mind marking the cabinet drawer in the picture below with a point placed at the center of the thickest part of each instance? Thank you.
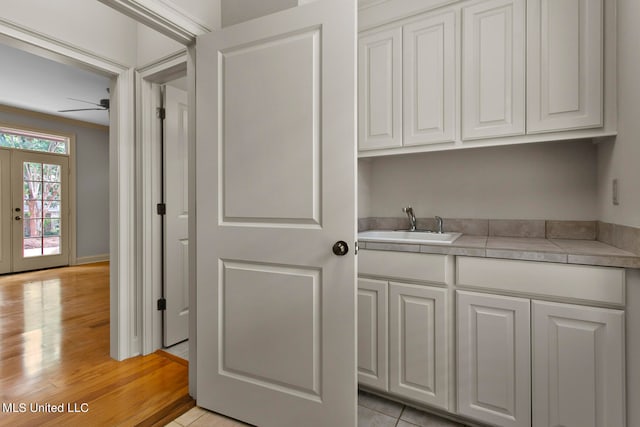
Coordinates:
(579, 282)
(406, 266)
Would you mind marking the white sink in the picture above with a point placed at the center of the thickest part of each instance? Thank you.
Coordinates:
(423, 237)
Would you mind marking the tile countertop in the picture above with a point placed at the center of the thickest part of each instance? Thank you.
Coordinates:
(586, 252)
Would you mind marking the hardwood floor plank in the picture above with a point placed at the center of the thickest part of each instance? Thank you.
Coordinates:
(54, 350)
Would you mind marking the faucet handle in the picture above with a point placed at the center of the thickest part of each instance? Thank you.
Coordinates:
(440, 224)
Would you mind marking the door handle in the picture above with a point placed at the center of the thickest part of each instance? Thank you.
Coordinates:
(18, 217)
(340, 248)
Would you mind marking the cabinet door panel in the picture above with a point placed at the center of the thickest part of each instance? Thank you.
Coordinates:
(494, 359)
(380, 90)
(578, 366)
(418, 343)
(429, 67)
(372, 333)
(565, 64)
(493, 69)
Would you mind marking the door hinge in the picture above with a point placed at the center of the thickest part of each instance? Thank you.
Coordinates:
(356, 248)
(161, 208)
(161, 113)
(162, 304)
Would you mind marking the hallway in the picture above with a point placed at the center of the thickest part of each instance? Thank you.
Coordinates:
(54, 354)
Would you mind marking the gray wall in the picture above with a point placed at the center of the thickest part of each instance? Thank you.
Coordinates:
(236, 11)
(555, 180)
(619, 160)
(92, 180)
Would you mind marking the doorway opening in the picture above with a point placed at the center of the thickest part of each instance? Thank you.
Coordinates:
(37, 206)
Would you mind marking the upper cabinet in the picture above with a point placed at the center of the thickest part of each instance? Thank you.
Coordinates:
(493, 76)
(565, 64)
(486, 72)
(429, 80)
(380, 90)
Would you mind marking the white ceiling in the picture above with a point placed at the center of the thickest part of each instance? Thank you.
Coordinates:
(38, 84)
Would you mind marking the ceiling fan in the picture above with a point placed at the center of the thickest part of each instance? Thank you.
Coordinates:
(103, 104)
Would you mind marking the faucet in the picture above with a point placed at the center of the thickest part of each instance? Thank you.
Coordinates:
(412, 218)
(440, 225)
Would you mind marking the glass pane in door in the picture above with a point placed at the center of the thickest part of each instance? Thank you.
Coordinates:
(41, 209)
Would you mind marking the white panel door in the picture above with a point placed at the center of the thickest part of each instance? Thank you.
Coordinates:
(493, 76)
(578, 366)
(6, 211)
(275, 168)
(418, 367)
(494, 359)
(176, 243)
(373, 343)
(564, 64)
(40, 193)
(429, 52)
(380, 90)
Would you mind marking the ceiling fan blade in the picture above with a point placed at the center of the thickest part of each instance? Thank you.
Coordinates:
(86, 102)
(82, 109)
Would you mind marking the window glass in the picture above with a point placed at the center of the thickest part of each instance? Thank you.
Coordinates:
(24, 140)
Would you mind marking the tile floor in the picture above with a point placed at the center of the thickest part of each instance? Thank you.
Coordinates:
(373, 411)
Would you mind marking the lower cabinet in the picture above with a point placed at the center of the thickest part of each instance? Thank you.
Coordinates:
(418, 343)
(372, 334)
(578, 366)
(408, 323)
(523, 362)
(494, 359)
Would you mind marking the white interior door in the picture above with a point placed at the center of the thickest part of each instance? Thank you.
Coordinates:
(176, 292)
(40, 193)
(275, 168)
(6, 212)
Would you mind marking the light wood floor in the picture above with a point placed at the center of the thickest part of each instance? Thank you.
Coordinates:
(54, 349)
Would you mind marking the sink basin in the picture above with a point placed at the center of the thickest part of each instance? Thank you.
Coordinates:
(419, 237)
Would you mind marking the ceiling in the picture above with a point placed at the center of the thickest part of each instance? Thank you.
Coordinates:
(38, 84)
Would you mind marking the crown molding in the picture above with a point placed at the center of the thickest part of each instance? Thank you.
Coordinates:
(43, 45)
(162, 17)
(51, 117)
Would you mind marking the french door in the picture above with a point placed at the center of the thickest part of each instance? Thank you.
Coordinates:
(34, 225)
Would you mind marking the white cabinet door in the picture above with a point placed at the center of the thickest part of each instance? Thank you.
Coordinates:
(494, 359)
(578, 366)
(418, 343)
(373, 341)
(564, 64)
(429, 67)
(380, 90)
(493, 69)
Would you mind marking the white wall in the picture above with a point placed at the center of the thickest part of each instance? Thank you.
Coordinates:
(89, 25)
(535, 181)
(153, 46)
(235, 11)
(621, 159)
(92, 181)
(364, 190)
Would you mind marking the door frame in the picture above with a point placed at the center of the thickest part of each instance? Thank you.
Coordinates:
(148, 130)
(72, 179)
(124, 335)
(148, 80)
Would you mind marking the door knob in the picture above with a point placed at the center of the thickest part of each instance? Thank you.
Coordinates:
(340, 248)
(18, 217)
(17, 209)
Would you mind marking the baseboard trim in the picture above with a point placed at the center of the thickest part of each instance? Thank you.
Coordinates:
(91, 259)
